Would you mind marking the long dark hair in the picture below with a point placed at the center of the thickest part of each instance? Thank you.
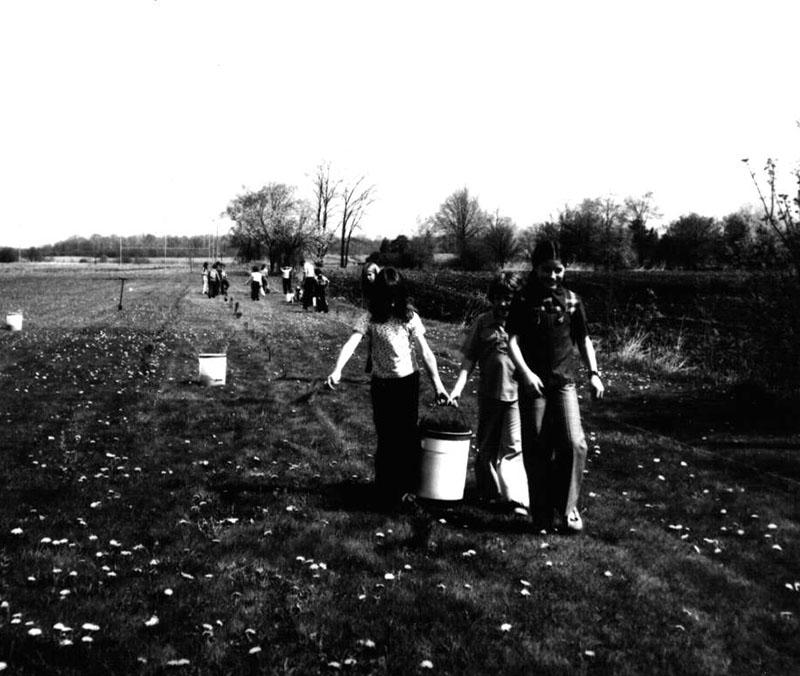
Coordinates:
(389, 298)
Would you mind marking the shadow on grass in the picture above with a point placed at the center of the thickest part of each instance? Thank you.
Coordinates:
(354, 497)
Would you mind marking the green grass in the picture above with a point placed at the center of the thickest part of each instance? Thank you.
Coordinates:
(121, 478)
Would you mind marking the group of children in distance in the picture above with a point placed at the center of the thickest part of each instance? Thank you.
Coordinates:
(312, 292)
(215, 280)
(531, 445)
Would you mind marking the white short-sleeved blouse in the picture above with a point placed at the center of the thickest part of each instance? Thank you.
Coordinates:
(392, 344)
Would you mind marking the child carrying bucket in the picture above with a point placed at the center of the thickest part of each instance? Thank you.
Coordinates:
(396, 335)
(499, 469)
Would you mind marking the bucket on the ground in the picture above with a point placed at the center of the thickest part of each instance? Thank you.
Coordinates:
(289, 297)
(213, 368)
(14, 321)
(443, 470)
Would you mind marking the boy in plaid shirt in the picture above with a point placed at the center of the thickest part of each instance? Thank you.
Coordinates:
(545, 325)
(499, 470)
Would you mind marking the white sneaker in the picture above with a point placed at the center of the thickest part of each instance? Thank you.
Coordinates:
(574, 521)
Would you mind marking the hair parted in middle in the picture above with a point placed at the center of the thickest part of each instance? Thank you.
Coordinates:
(389, 298)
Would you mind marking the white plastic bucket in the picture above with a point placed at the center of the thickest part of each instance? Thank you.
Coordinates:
(14, 321)
(443, 469)
(213, 368)
(289, 297)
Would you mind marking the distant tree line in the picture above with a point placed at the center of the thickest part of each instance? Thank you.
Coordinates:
(607, 233)
(101, 248)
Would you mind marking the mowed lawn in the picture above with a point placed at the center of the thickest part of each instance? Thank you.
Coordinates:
(149, 525)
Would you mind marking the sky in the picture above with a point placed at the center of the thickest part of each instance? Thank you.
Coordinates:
(149, 116)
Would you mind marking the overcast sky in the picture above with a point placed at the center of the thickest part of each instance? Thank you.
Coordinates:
(148, 116)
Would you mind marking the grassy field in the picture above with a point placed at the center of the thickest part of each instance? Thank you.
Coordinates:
(149, 525)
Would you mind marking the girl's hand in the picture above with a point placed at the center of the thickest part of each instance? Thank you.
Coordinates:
(532, 383)
(597, 387)
(333, 379)
(442, 399)
(453, 400)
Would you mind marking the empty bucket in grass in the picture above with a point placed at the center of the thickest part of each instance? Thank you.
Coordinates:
(14, 321)
(213, 368)
(443, 469)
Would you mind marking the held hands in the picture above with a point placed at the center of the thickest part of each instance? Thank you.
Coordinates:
(442, 398)
(597, 387)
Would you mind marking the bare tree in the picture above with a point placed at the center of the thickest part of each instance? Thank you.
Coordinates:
(781, 212)
(325, 192)
(461, 218)
(638, 211)
(354, 199)
(501, 240)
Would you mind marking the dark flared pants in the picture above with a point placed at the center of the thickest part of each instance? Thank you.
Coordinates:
(395, 409)
(553, 450)
(309, 291)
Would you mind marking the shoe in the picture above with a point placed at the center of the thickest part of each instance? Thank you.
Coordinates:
(574, 521)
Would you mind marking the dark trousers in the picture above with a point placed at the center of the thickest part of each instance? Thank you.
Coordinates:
(255, 291)
(395, 410)
(553, 450)
(309, 291)
(287, 284)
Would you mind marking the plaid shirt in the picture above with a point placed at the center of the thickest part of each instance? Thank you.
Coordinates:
(548, 325)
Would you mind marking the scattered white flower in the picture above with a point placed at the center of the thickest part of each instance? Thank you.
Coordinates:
(152, 622)
(608, 573)
(178, 663)
(505, 626)
(367, 642)
(426, 664)
(87, 639)
(772, 526)
(525, 592)
(34, 631)
(589, 653)
(168, 592)
(388, 576)
(95, 504)
(88, 626)
(335, 665)
(254, 650)
(17, 531)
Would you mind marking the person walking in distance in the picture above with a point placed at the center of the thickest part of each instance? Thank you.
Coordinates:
(396, 335)
(546, 324)
(286, 280)
(309, 284)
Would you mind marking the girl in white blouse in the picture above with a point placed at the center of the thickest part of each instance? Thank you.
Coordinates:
(396, 338)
